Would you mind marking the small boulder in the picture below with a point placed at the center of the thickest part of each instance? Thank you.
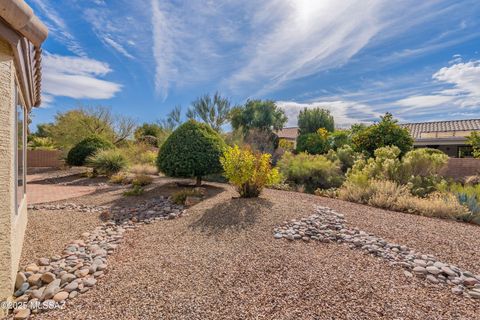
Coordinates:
(32, 268)
(47, 277)
(62, 295)
(470, 282)
(71, 286)
(22, 314)
(43, 262)
(20, 279)
(51, 290)
(67, 278)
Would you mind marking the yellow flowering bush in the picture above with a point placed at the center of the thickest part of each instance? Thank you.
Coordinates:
(249, 172)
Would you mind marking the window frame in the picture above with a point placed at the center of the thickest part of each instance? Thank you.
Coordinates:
(20, 103)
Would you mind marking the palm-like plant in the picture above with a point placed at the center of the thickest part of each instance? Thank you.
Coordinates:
(214, 112)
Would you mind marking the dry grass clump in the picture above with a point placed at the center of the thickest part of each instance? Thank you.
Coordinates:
(145, 169)
(120, 178)
(390, 195)
(385, 194)
(134, 191)
(440, 205)
(179, 197)
(142, 180)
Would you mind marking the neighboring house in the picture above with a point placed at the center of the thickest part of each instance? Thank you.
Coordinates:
(289, 134)
(448, 136)
(21, 35)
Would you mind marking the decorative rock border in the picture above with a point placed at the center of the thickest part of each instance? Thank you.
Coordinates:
(51, 281)
(326, 225)
(68, 207)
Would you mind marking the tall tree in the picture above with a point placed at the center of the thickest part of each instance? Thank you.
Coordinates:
(257, 114)
(214, 112)
(310, 120)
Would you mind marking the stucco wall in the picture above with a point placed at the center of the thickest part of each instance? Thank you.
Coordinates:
(12, 225)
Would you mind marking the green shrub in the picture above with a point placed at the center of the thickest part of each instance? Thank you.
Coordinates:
(340, 138)
(356, 188)
(179, 197)
(313, 143)
(140, 153)
(382, 134)
(142, 180)
(286, 145)
(192, 150)
(249, 172)
(327, 193)
(108, 162)
(345, 155)
(312, 171)
(424, 162)
(385, 165)
(134, 191)
(474, 141)
(85, 148)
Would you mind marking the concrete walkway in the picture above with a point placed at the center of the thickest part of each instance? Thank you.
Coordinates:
(40, 193)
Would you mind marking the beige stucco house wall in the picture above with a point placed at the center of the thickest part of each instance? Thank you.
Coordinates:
(21, 35)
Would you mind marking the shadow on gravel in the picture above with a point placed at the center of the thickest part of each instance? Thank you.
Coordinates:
(234, 214)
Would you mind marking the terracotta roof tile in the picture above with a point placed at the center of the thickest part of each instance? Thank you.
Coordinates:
(288, 133)
(416, 129)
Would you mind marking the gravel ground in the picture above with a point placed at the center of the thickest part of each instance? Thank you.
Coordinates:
(49, 231)
(221, 262)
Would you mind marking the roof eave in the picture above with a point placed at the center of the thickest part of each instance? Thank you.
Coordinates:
(22, 19)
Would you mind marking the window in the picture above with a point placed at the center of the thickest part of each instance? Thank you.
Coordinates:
(20, 138)
(465, 152)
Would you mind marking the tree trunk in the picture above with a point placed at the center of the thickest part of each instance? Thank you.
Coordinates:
(199, 182)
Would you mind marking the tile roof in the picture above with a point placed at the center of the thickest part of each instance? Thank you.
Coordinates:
(442, 126)
(288, 133)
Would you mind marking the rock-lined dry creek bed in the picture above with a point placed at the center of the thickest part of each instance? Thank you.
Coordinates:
(326, 225)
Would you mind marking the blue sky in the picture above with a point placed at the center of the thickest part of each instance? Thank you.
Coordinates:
(419, 60)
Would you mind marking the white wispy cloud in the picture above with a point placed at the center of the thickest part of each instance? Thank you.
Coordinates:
(304, 37)
(345, 113)
(111, 28)
(76, 77)
(193, 41)
(460, 88)
(256, 48)
(58, 28)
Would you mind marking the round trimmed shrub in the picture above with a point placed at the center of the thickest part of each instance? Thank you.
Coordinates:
(192, 150)
(78, 155)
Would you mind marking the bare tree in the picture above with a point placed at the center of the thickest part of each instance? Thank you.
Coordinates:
(101, 119)
(173, 119)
